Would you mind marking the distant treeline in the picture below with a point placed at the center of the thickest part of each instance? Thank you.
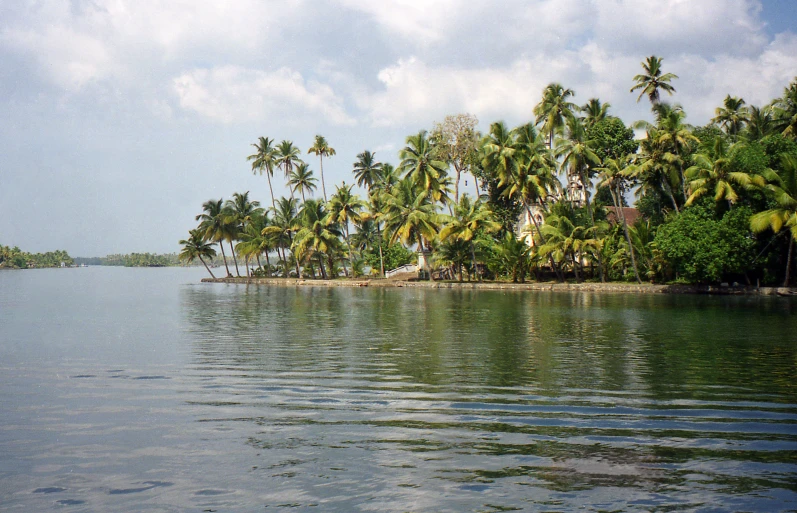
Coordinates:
(15, 258)
(132, 260)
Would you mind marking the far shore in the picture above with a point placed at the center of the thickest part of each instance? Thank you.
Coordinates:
(631, 288)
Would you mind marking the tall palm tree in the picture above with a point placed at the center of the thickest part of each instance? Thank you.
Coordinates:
(783, 186)
(322, 149)
(302, 179)
(469, 220)
(410, 215)
(554, 110)
(732, 116)
(264, 160)
(367, 170)
(316, 237)
(284, 224)
(594, 111)
(287, 157)
(761, 122)
(253, 242)
(240, 211)
(345, 208)
(418, 163)
(652, 80)
(387, 178)
(785, 110)
(213, 223)
(613, 175)
(714, 171)
(197, 247)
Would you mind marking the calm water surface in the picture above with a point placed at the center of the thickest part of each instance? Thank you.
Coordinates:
(144, 390)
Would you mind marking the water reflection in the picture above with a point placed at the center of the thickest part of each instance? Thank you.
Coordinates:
(395, 400)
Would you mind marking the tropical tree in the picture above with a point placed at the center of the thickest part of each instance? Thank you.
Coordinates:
(214, 225)
(322, 149)
(783, 186)
(652, 80)
(470, 219)
(761, 122)
(420, 164)
(264, 160)
(345, 208)
(613, 175)
(239, 211)
(594, 111)
(316, 237)
(456, 141)
(554, 110)
(284, 223)
(367, 170)
(253, 242)
(409, 215)
(512, 255)
(197, 247)
(715, 172)
(287, 157)
(732, 116)
(302, 179)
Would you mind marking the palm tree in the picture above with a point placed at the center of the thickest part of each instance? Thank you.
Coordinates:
(418, 163)
(214, 225)
(316, 237)
(345, 207)
(239, 211)
(760, 123)
(554, 109)
(302, 179)
(287, 157)
(409, 215)
(470, 219)
(785, 110)
(367, 170)
(513, 254)
(732, 116)
(653, 80)
(714, 171)
(283, 225)
(783, 186)
(387, 178)
(253, 242)
(322, 149)
(594, 111)
(264, 160)
(614, 176)
(197, 247)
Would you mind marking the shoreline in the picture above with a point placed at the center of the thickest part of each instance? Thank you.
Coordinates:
(623, 288)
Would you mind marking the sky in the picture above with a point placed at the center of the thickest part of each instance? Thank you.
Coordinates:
(119, 118)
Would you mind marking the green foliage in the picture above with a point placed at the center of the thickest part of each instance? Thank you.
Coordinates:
(395, 255)
(15, 258)
(701, 248)
(610, 138)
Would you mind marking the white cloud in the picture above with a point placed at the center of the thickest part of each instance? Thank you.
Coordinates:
(233, 94)
(420, 22)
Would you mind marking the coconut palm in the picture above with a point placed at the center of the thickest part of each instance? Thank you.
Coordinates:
(252, 241)
(469, 220)
(367, 170)
(715, 172)
(418, 163)
(287, 157)
(614, 176)
(284, 223)
(732, 116)
(302, 179)
(650, 82)
(409, 215)
(264, 160)
(322, 149)
(197, 247)
(554, 110)
(316, 237)
(761, 122)
(785, 111)
(783, 186)
(498, 152)
(240, 211)
(594, 111)
(214, 224)
(345, 208)
(512, 255)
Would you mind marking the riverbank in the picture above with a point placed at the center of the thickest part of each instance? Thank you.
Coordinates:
(624, 288)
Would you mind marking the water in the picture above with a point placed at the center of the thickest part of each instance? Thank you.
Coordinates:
(144, 390)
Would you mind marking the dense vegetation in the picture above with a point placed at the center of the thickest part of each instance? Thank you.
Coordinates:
(15, 258)
(132, 260)
(713, 203)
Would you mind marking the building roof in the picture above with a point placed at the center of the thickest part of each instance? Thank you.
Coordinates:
(631, 215)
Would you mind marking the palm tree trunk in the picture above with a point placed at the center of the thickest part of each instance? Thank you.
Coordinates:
(554, 266)
(271, 190)
(268, 263)
(224, 257)
(456, 185)
(234, 259)
(323, 186)
(788, 262)
(206, 267)
(667, 187)
(381, 257)
(473, 260)
(321, 265)
(618, 205)
(583, 178)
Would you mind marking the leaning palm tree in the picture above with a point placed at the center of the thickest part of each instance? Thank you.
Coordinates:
(197, 247)
(367, 170)
(470, 219)
(652, 80)
(715, 172)
(783, 186)
(287, 157)
(554, 110)
(732, 116)
(214, 225)
(264, 160)
(345, 207)
(302, 179)
(322, 148)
